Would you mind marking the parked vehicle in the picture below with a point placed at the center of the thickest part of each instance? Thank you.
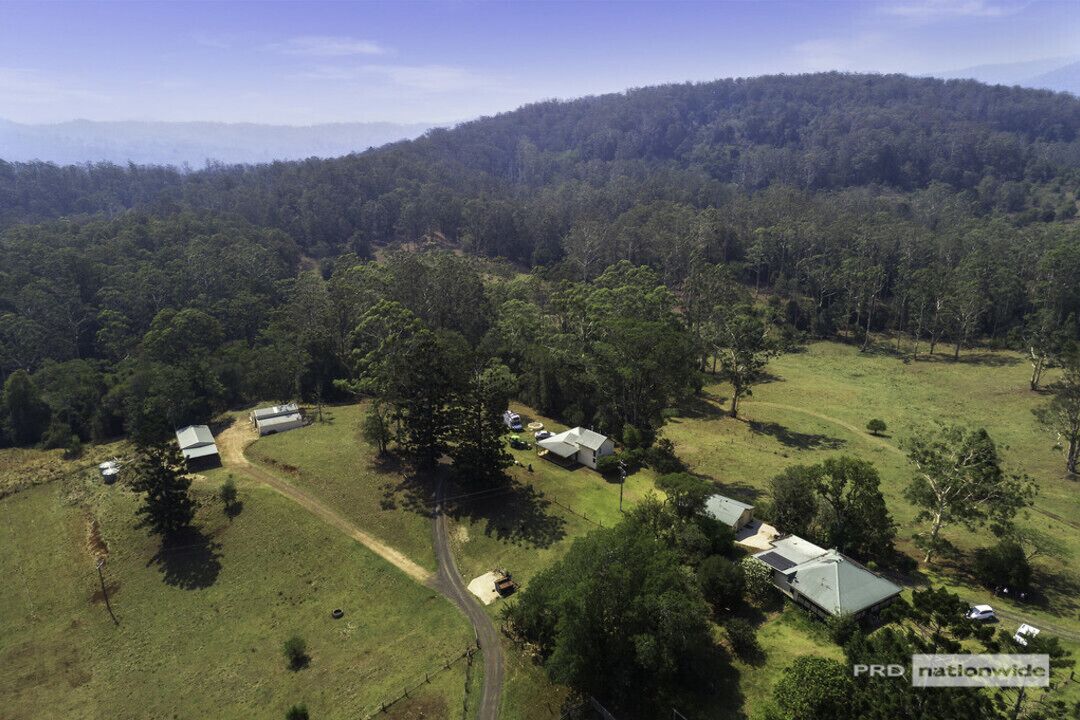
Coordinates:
(517, 443)
(542, 434)
(982, 613)
(1024, 633)
(512, 420)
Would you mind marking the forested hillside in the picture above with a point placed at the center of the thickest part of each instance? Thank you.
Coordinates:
(855, 203)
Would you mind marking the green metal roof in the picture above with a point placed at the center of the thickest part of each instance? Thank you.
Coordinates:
(839, 585)
(725, 509)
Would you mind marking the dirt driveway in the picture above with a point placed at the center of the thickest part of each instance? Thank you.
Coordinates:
(231, 444)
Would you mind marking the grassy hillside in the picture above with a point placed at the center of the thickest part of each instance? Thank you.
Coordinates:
(200, 633)
(818, 403)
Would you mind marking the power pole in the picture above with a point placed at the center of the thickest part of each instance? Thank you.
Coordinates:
(104, 591)
(622, 481)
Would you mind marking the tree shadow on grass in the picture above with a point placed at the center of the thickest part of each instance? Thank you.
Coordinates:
(190, 560)
(1065, 587)
(221, 424)
(989, 359)
(702, 407)
(515, 514)
(233, 509)
(790, 438)
(740, 491)
(712, 682)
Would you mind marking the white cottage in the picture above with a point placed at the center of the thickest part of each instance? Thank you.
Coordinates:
(577, 445)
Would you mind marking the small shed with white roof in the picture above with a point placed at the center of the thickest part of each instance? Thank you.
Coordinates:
(198, 447)
(277, 418)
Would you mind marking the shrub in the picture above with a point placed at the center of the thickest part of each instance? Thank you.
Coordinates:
(74, 447)
(633, 459)
(721, 537)
(757, 581)
(295, 650)
(742, 636)
(608, 465)
(841, 628)
(297, 712)
(661, 457)
(876, 426)
(228, 491)
(57, 435)
(721, 582)
(1003, 565)
(632, 437)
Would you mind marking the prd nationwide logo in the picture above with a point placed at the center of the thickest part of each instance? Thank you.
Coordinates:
(974, 670)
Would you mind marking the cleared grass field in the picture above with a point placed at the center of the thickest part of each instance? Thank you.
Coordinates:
(331, 460)
(523, 528)
(200, 633)
(817, 405)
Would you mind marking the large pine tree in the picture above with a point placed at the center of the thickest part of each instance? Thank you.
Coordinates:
(159, 474)
(479, 453)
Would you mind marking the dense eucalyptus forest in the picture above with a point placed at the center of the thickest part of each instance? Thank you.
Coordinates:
(600, 253)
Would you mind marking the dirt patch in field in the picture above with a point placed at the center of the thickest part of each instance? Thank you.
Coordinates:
(417, 708)
(95, 544)
(98, 597)
(283, 466)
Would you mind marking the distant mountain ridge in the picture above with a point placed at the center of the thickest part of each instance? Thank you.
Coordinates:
(192, 143)
(1061, 74)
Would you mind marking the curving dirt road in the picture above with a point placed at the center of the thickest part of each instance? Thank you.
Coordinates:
(231, 444)
(449, 583)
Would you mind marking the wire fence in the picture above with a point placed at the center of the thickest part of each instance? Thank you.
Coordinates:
(584, 516)
(468, 655)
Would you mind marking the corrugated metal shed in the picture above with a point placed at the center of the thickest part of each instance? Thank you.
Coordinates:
(265, 413)
(726, 510)
(194, 436)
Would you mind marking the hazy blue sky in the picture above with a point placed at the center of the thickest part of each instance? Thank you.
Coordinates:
(441, 61)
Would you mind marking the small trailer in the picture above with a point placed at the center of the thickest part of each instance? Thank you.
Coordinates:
(504, 583)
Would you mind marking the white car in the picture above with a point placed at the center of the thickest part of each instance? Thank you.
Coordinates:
(982, 612)
(1024, 632)
(541, 434)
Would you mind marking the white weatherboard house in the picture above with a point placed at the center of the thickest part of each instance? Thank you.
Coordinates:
(278, 418)
(197, 446)
(577, 444)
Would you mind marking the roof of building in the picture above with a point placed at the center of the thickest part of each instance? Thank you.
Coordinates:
(838, 584)
(194, 436)
(274, 411)
(576, 438)
(588, 439)
(280, 420)
(558, 445)
(775, 561)
(793, 549)
(725, 509)
(199, 452)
